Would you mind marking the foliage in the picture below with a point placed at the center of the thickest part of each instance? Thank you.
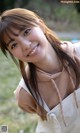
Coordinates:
(7, 4)
(77, 6)
(58, 16)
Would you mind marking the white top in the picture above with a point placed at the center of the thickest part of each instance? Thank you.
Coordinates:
(54, 122)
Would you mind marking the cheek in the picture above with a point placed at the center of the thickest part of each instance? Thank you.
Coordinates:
(37, 35)
(17, 53)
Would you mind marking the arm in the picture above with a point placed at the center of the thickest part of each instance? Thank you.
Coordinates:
(24, 100)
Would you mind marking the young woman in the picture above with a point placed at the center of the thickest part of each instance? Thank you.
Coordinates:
(50, 71)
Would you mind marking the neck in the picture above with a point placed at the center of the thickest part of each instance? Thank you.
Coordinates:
(51, 63)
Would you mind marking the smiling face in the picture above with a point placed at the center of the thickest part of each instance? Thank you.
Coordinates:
(28, 45)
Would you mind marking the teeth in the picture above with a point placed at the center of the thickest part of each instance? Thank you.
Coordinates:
(33, 51)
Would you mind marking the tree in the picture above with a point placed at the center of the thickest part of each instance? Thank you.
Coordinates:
(7, 4)
(77, 5)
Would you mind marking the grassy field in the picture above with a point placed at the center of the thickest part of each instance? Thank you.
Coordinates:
(10, 114)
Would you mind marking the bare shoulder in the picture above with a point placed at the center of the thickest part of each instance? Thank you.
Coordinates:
(23, 97)
(20, 91)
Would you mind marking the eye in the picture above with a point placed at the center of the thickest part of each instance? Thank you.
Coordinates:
(13, 45)
(27, 31)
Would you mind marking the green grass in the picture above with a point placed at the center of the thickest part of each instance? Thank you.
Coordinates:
(10, 113)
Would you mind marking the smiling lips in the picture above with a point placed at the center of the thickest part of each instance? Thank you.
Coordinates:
(33, 50)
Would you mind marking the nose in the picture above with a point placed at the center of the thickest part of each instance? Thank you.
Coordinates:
(25, 43)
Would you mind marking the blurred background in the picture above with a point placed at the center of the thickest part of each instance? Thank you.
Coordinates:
(62, 18)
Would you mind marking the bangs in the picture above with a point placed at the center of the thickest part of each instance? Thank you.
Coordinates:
(18, 21)
(14, 21)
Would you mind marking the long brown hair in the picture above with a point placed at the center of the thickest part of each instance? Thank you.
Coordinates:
(20, 19)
